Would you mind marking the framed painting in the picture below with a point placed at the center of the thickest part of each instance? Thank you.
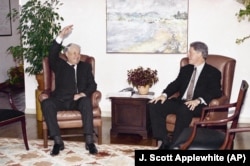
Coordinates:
(5, 22)
(151, 26)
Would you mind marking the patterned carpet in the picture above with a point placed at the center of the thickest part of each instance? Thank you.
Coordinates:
(13, 153)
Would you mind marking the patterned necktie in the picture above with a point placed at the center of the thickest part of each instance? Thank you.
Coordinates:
(190, 90)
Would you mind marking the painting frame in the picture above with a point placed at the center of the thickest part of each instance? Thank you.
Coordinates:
(152, 26)
(5, 21)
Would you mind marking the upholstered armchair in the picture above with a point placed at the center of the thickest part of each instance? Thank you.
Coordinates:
(226, 66)
(70, 118)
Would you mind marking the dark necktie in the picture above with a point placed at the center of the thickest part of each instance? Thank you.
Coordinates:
(76, 89)
(190, 90)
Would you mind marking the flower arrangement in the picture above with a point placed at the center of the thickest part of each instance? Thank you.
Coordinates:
(142, 77)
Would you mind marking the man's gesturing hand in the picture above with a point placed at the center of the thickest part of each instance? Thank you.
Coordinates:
(66, 31)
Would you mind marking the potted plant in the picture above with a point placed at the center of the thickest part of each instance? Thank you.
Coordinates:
(243, 14)
(16, 73)
(17, 54)
(142, 79)
(16, 77)
(39, 24)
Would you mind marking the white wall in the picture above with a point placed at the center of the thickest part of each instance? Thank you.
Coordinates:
(211, 21)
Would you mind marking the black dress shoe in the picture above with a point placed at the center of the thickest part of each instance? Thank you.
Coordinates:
(164, 146)
(56, 149)
(92, 148)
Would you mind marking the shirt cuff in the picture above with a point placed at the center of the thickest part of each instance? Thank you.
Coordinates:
(164, 94)
(202, 101)
(59, 40)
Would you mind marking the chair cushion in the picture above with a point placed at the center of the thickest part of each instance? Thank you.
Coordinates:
(75, 114)
(7, 114)
(205, 139)
(69, 115)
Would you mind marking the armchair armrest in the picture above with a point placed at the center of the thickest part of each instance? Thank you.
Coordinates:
(215, 121)
(96, 98)
(214, 114)
(219, 101)
(208, 113)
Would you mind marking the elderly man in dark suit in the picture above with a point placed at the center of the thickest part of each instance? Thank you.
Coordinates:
(74, 84)
(197, 83)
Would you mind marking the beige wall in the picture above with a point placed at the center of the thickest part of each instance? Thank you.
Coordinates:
(211, 21)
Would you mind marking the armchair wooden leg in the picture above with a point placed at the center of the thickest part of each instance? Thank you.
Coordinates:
(99, 130)
(23, 122)
(45, 138)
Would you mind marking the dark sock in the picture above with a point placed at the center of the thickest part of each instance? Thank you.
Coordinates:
(58, 140)
(89, 138)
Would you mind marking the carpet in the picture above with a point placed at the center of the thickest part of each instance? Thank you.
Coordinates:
(13, 153)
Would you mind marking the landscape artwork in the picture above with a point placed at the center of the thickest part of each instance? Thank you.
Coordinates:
(147, 26)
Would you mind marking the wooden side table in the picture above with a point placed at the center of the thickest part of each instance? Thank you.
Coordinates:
(130, 115)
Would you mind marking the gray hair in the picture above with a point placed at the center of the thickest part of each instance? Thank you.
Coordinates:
(66, 48)
(201, 47)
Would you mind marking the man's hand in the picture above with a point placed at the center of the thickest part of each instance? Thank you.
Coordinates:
(161, 97)
(79, 95)
(65, 31)
(192, 104)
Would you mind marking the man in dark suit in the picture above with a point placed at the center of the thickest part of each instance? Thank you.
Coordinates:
(191, 100)
(74, 84)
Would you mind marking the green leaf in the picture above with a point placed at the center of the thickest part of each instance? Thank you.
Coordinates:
(39, 25)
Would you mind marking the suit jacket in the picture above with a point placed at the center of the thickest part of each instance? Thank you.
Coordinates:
(208, 85)
(65, 87)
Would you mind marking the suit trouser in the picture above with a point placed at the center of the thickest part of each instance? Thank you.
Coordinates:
(51, 106)
(158, 113)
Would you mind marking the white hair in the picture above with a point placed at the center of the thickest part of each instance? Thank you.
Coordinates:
(66, 49)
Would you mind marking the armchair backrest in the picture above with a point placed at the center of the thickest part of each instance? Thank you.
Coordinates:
(225, 65)
(49, 76)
